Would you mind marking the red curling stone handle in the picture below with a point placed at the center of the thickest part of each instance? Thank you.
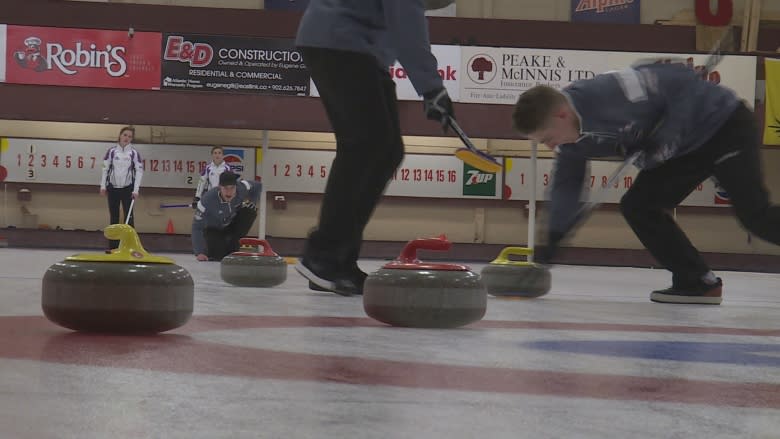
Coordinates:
(267, 250)
(407, 260)
(409, 253)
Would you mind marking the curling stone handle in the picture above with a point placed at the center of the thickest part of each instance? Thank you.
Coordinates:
(409, 253)
(503, 257)
(252, 242)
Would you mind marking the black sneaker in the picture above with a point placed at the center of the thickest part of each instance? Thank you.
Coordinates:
(359, 278)
(703, 294)
(327, 277)
(315, 287)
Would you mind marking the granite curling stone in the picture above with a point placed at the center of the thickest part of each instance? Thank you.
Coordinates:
(127, 291)
(410, 293)
(520, 279)
(252, 269)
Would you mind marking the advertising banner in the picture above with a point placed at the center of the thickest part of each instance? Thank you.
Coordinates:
(420, 175)
(82, 57)
(77, 162)
(499, 75)
(448, 59)
(449, 62)
(216, 63)
(772, 99)
(606, 11)
(518, 183)
(2, 51)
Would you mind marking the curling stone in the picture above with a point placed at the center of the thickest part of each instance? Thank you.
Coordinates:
(411, 293)
(251, 269)
(521, 279)
(125, 291)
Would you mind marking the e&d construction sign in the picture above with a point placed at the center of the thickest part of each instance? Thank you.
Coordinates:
(236, 64)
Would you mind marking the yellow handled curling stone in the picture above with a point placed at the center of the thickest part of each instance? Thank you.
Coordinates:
(521, 279)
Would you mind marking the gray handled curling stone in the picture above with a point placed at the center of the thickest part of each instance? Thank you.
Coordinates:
(251, 269)
(411, 293)
(127, 291)
(520, 279)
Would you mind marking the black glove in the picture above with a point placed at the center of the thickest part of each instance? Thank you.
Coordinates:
(195, 202)
(438, 106)
(544, 254)
(248, 205)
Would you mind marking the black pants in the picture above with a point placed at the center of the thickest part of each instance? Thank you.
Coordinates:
(732, 156)
(361, 104)
(222, 242)
(116, 196)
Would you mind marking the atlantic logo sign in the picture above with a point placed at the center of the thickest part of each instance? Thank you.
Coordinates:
(600, 6)
(606, 11)
(478, 183)
(82, 57)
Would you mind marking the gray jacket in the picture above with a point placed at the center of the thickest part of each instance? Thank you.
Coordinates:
(213, 211)
(389, 30)
(658, 111)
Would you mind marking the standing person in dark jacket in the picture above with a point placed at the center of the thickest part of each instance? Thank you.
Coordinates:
(348, 47)
(223, 216)
(120, 179)
(682, 130)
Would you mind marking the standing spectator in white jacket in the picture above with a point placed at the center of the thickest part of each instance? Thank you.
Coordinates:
(209, 178)
(121, 177)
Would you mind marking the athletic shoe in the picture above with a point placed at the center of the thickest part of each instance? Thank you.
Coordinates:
(703, 293)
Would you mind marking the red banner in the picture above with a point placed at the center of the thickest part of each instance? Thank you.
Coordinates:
(721, 18)
(83, 57)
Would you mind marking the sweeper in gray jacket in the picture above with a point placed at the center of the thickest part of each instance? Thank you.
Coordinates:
(348, 47)
(223, 216)
(681, 130)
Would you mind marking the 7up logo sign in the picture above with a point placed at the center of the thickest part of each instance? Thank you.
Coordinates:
(478, 183)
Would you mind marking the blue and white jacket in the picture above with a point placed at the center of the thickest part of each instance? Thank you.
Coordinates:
(389, 30)
(213, 211)
(656, 111)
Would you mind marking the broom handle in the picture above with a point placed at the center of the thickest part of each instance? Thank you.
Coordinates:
(130, 212)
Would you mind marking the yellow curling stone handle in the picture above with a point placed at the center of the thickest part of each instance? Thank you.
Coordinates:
(503, 257)
(130, 249)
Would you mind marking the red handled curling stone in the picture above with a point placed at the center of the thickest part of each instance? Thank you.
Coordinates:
(251, 269)
(127, 291)
(520, 279)
(411, 293)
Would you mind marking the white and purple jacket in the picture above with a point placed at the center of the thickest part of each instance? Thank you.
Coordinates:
(122, 167)
(209, 178)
